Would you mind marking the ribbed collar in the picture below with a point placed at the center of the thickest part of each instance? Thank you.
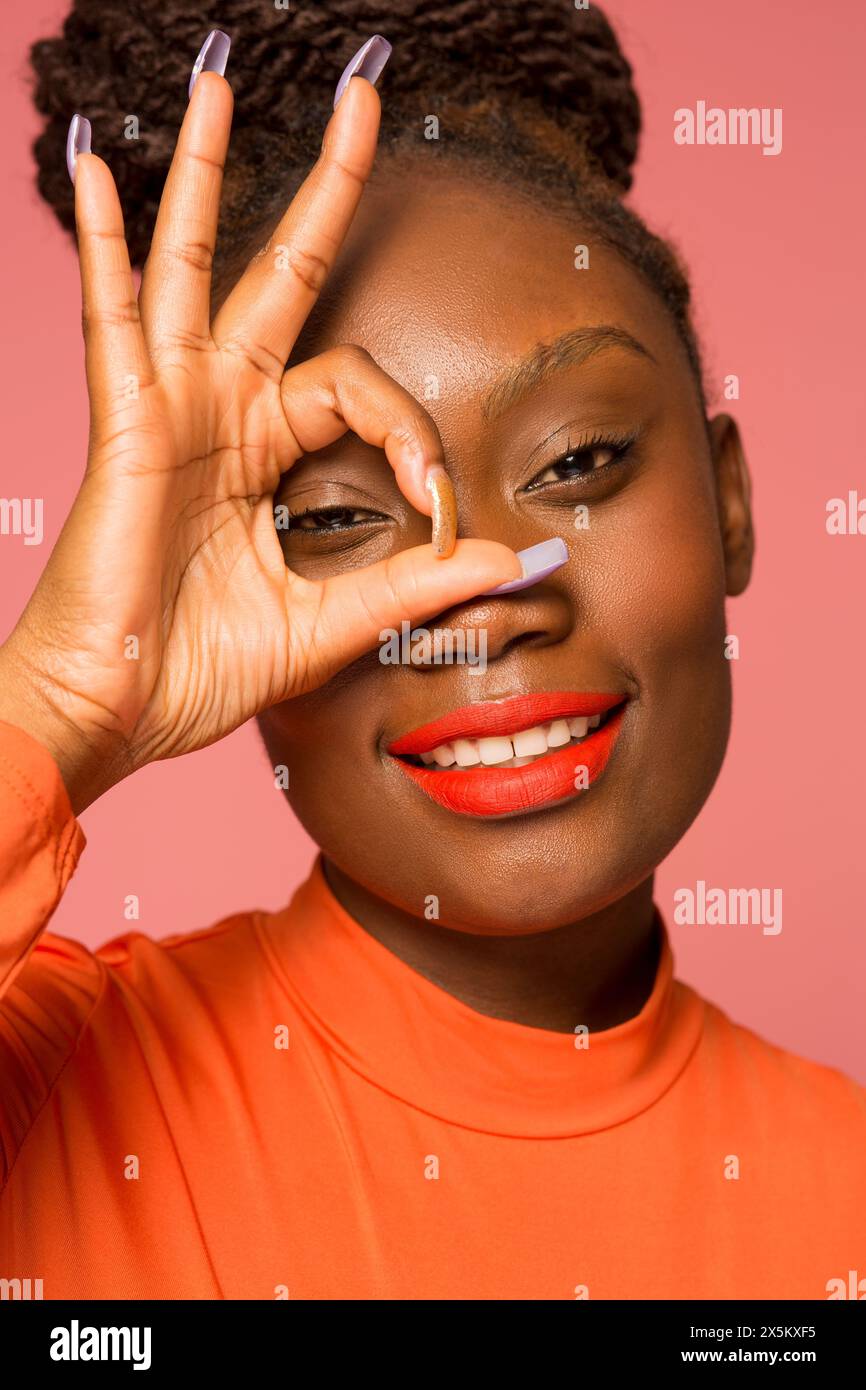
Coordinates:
(414, 1040)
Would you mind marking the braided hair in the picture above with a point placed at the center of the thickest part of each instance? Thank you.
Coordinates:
(534, 93)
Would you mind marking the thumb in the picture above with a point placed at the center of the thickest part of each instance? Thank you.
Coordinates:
(333, 622)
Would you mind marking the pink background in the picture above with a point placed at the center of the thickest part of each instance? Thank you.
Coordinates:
(775, 250)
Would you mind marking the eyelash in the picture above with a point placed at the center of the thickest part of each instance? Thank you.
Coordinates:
(618, 445)
(332, 511)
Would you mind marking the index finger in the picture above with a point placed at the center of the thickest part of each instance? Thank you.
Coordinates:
(176, 282)
(266, 310)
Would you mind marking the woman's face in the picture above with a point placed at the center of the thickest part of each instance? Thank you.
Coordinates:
(450, 285)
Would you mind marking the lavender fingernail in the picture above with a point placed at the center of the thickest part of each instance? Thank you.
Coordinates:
(213, 56)
(538, 562)
(368, 62)
(77, 142)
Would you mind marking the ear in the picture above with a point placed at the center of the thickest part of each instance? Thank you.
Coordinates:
(734, 494)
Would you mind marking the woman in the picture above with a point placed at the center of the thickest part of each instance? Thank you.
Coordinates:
(457, 1064)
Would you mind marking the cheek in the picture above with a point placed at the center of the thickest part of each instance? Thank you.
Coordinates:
(663, 614)
(327, 741)
(660, 589)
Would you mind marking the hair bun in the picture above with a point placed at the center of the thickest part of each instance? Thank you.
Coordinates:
(564, 61)
(547, 68)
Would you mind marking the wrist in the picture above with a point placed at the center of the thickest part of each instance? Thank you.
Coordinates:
(87, 765)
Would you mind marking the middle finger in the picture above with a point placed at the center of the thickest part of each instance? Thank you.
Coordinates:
(265, 312)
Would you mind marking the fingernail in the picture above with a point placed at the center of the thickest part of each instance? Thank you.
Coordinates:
(538, 562)
(77, 142)
(368, 62)
(441, 489)
(213, 56)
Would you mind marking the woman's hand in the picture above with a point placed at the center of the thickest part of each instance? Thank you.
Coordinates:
(166, 616)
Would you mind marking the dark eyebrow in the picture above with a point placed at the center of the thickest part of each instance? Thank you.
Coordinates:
(569, 349)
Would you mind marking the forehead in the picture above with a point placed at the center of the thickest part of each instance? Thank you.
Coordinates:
(451, 280)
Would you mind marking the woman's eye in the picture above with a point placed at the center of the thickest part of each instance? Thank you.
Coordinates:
(580, 462)
(330, 519)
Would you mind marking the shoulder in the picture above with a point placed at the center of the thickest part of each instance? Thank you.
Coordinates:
(783, 1094)
(134, 953)
(66, 980)
(68, 1002)
(65, 990)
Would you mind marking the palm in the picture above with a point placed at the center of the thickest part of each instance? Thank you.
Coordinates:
(168, 472)
(225, 563)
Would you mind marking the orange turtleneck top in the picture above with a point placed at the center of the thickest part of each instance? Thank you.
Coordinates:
(280, 1107)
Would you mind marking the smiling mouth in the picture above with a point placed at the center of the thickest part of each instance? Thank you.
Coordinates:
(505, 757)
(519, 749)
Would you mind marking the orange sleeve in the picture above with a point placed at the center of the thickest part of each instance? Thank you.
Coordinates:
(40, 842)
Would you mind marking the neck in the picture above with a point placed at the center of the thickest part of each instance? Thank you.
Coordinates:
(598, 971)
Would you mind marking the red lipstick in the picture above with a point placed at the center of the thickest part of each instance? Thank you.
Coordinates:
(493, 791)
(502, 717)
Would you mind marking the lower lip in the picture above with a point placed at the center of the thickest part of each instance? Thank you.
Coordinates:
(503, 791)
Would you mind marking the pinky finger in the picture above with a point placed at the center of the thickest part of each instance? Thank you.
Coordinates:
(115, 351)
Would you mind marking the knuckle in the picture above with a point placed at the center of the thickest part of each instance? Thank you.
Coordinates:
(116, 316)
(311, 270)
(107, 234)
(399, 583)
(377, 607)
(333, 161)
(412, 429)
(179, 339)
(196, 254)
(256, 355)
(196, 157)
(353, 355)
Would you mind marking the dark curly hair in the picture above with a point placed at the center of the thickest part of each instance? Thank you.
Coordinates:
(532, 94)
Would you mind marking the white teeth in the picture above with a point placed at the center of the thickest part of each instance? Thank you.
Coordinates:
(466, 752)
(558, 734)
(529, 742)
(495, 750)
(518, 750)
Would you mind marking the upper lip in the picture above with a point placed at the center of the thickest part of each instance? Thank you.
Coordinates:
(508, 716)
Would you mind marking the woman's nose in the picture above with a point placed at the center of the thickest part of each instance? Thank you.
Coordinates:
(492, 626)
